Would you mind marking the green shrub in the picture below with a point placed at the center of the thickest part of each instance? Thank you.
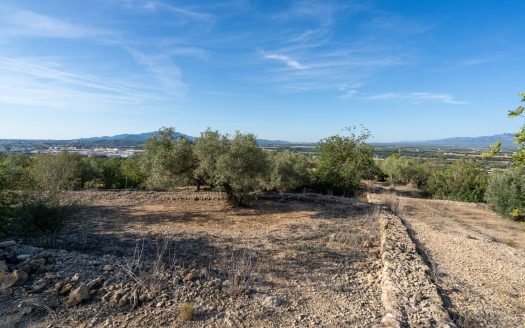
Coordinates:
(343, 162)
(506, 192)
(461, 181)
(5, 203)
(289, 171)
(57, 172)
(401, 169)
(241, 170)
(15, 171)
(40, 215)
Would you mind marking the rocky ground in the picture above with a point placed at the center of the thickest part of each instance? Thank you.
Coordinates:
(477, 258)
(135, 259)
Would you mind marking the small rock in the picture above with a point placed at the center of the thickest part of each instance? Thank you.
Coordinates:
(36, 264)
(273, 301)
(7, 243)
(39, 285)
(189, 277)
(15, 277)
(23, 257)
(106, 297)
(75, 278)
(78, 295)
(95, 283)
(66, 288)
(3, 269)
(107, 267)
(115, 299)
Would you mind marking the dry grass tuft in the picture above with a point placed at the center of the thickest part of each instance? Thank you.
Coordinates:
(242, 271)
(187, 311)
(393, 203)
(152, 273)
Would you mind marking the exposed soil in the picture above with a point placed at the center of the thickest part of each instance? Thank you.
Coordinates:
(478, 259)
(280, 263)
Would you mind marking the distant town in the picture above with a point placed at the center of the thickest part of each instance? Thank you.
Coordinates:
(109, 152)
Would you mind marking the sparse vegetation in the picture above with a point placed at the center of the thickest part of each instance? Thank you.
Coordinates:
(242, 271)
(393, 203)
(187, 310)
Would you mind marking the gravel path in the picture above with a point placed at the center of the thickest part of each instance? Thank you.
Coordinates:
(478, 260)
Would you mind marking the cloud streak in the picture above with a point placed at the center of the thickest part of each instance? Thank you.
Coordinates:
(285, 59)
(417, 98)
(25, 23)
(27, 82)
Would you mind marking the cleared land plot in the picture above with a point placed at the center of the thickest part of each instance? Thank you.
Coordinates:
(278, 263)
(478, 259)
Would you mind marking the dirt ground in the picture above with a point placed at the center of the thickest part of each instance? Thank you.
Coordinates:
(478, 258)
(295, 263)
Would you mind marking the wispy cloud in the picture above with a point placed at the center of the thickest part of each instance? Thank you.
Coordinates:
(156, 6)
(285, 59)
(30, 24)
(417, 98)
(167, 74)
(30, 82)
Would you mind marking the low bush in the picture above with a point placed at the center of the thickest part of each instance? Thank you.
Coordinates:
(506, 193)
(344, 161)
(401, 169)
(289, 171)
(38, 215)
(462, 181)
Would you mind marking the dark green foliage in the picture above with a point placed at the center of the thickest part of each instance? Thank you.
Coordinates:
(289, 171)
(40, 215)
(15, 170)
(208, 149)
(461, 181)
(506, 192)
(132, 173)
(343, 162)
(242, 169)
(5, 201)
(168, 160)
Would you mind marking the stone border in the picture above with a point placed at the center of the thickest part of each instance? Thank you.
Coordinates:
(409, 297)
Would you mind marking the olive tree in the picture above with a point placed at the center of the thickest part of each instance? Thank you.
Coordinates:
(168, 160)
(208, 149)
(506, 192)
(242, 168)
(289, 171)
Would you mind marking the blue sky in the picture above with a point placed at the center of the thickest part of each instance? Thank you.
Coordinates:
(294, 70)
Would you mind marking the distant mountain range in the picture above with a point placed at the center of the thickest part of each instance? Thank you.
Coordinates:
(141, 137)
(475, 142)
(136, 140)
